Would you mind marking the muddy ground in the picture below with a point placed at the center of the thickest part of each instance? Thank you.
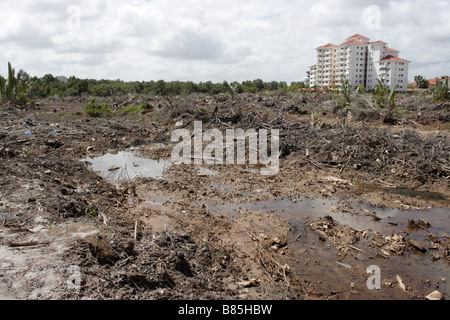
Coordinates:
(356, 187)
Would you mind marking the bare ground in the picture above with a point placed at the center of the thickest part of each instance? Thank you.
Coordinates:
(167, 239)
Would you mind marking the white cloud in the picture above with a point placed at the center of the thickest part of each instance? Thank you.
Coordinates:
(202, 40)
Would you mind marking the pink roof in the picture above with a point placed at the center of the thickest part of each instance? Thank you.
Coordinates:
(357, 36)
(392, 58)
(378, 42)
(353, 42)
(389, 49)
(431, 82)
(330, 45)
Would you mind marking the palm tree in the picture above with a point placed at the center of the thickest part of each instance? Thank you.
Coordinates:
(15, 88)
(421, 82)
(346, 90)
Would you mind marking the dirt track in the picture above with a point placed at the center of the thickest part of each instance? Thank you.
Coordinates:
(229, 233)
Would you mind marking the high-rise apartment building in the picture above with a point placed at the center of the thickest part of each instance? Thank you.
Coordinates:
(362, 61)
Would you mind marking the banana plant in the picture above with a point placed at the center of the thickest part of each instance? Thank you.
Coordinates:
(360, 89)
(391, 97)
(384, 96)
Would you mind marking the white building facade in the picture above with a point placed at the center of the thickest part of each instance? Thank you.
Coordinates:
(362, 62)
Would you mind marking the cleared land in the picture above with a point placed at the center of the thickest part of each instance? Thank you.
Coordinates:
(357, 186)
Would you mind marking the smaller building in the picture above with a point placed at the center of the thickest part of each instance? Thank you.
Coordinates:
(431, 82)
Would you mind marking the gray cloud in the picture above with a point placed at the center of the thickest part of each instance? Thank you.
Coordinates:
(202, 40)
(188, 45)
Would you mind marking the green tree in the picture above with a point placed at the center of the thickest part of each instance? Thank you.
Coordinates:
(205, 87)
(189, 87)
(422, 83)
(249, 86)
(259, 84)
(160, 88)
(174, 88)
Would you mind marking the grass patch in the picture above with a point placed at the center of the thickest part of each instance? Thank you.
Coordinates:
(144, 106)
(131, 109)
(402, 111)
(201, 110)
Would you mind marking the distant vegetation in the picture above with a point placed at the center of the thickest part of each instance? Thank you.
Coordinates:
(19, 88)
(50, 86)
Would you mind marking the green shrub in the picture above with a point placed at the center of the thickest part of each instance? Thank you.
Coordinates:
(440, 91)
(97, 110)
(145, 106)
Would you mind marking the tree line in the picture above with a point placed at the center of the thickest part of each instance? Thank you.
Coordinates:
(20, 86)
(50, 85)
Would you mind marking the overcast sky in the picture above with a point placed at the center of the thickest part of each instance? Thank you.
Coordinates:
(201, 40)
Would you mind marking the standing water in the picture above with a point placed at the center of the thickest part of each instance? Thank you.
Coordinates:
(335, 271)
(126, 165)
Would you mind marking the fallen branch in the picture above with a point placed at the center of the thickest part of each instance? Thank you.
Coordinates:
(14, 244)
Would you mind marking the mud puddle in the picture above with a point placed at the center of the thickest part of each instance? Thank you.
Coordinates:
(126, 165)
(405, 191)
(341, 269)
(153, 212)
